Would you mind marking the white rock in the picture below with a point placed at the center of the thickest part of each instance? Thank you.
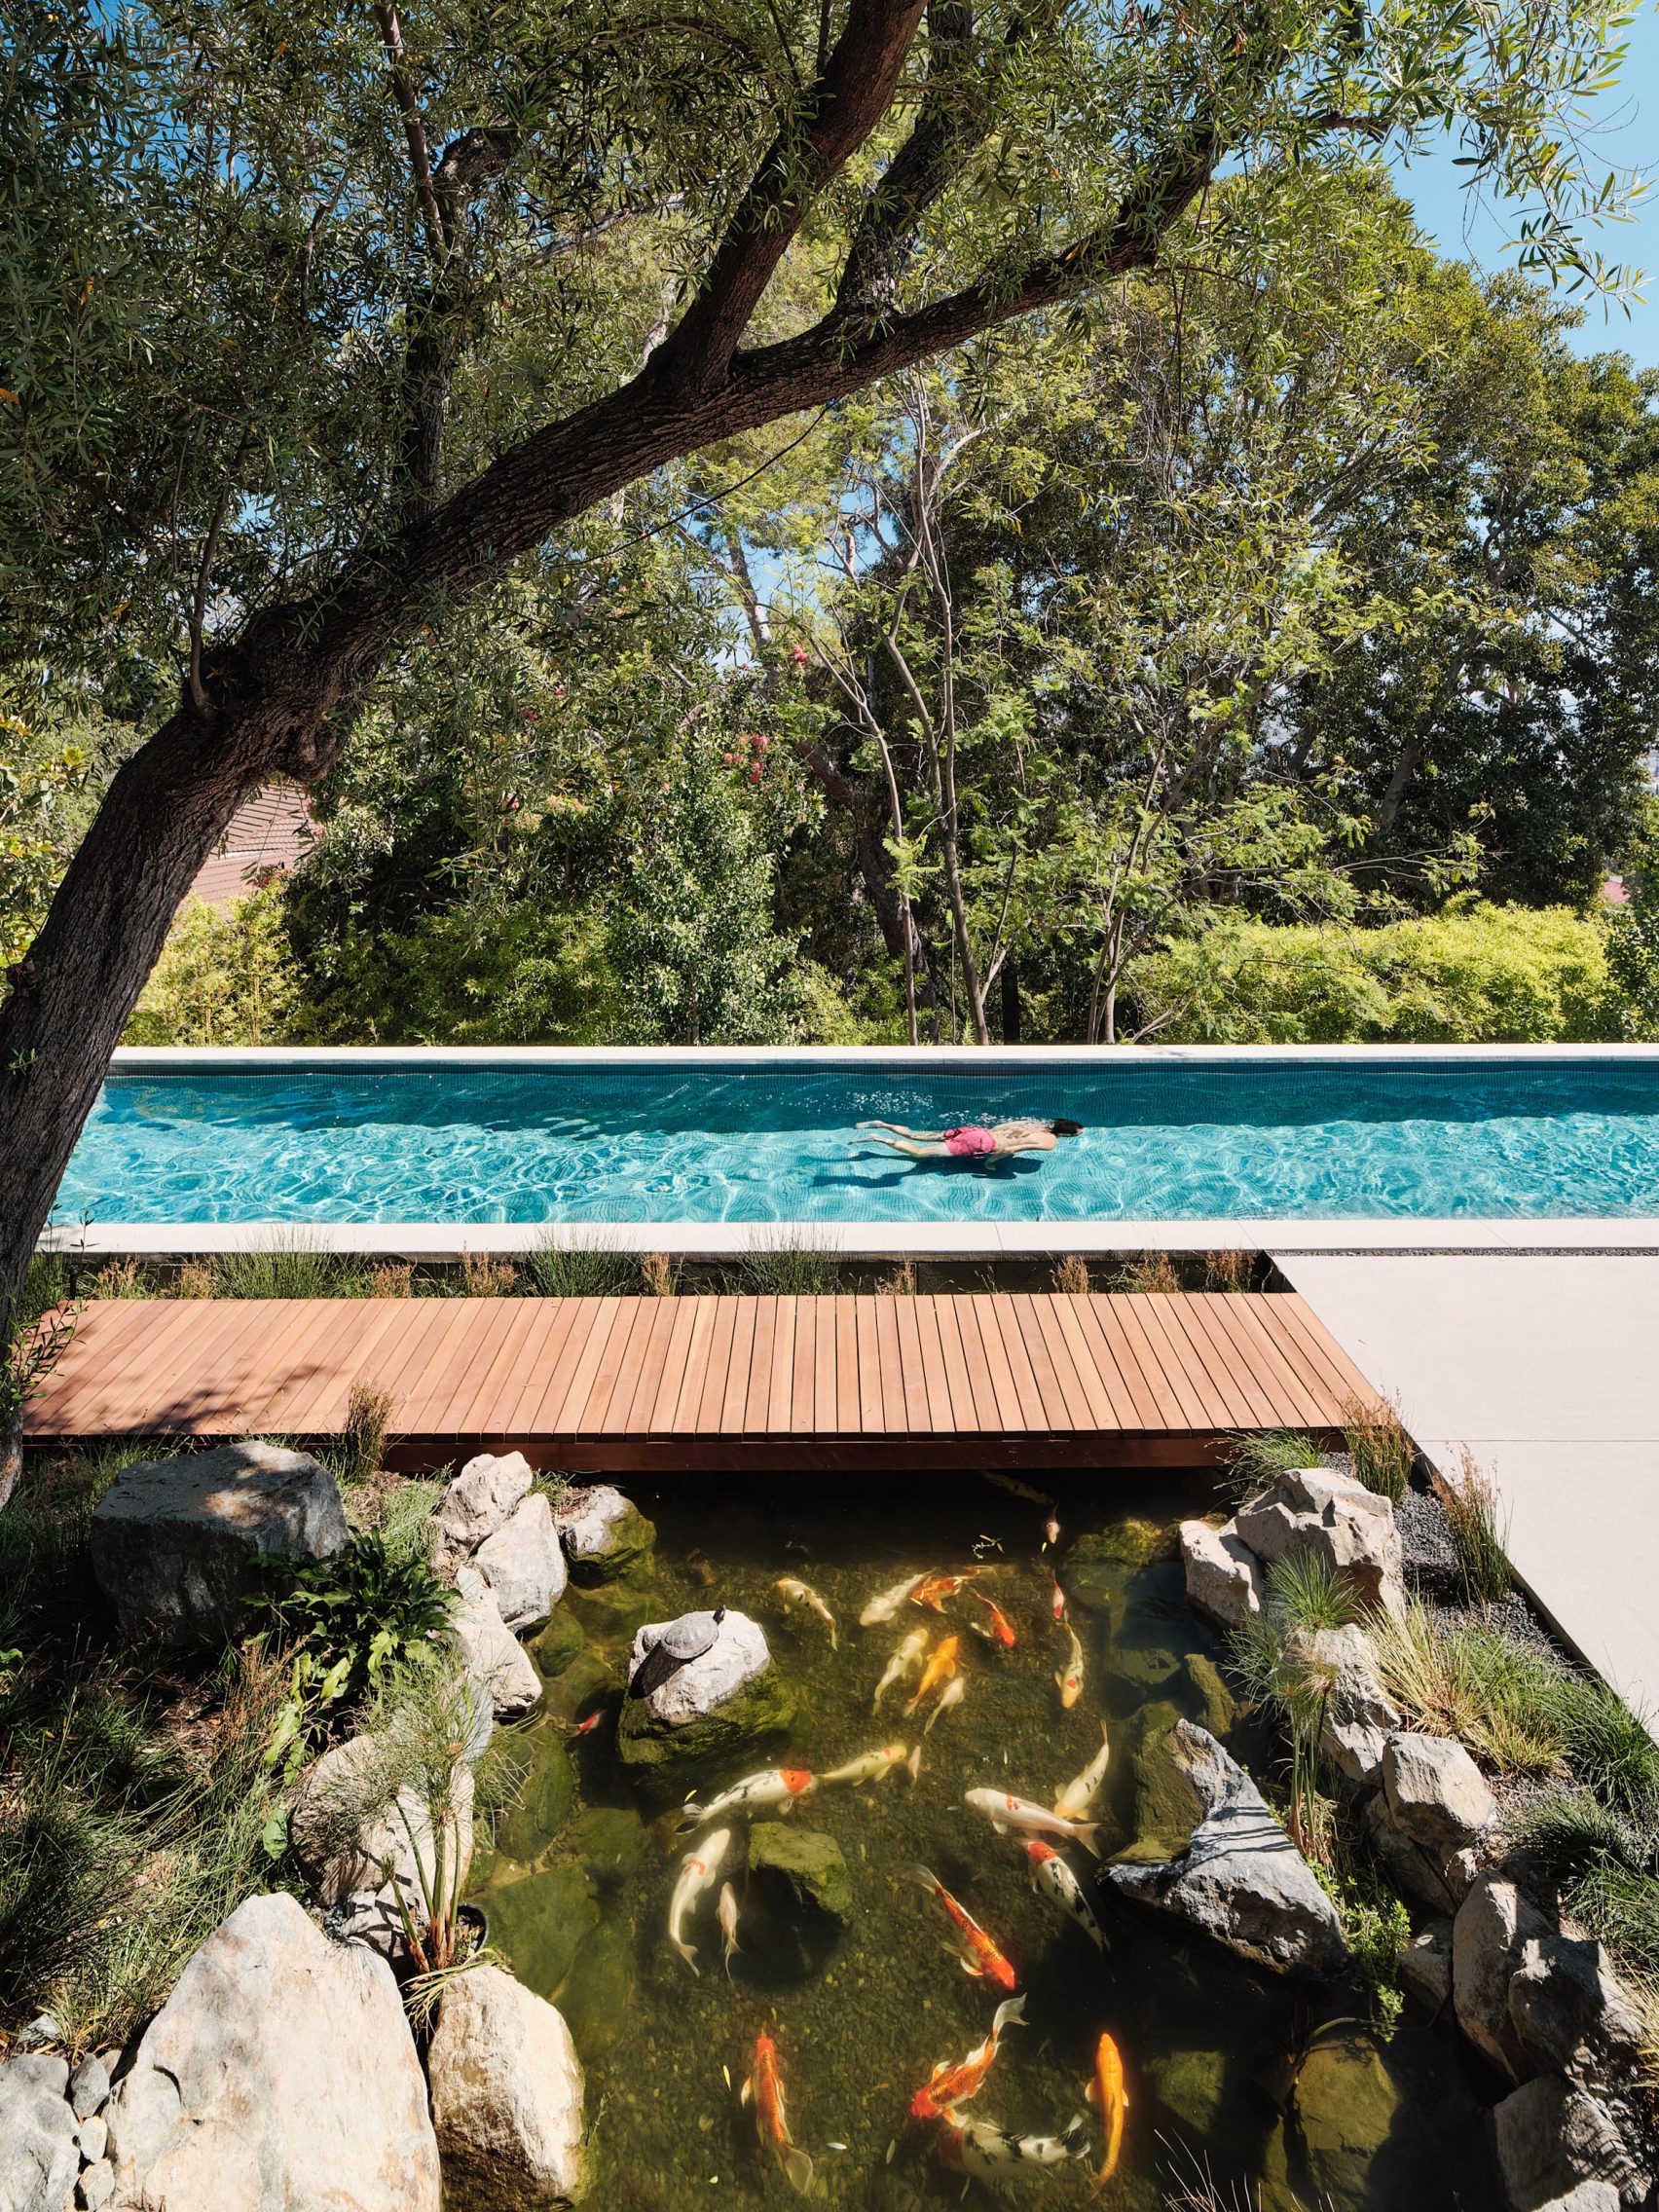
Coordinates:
(1493, 1924)
(92, 2135)
(487, 1490)
(1359, 1717)
(1588, 2197)
(39, 2155)
(1436, 1794)
(492, 1654)
(280, 2074)
(507, 2097)
(523, 1564)
(342, 1852)
(738, 1655)
(1331, 1515)
(95, 2187)
(1224, 1578)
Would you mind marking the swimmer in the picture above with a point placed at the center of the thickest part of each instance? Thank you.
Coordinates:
(973, 1141)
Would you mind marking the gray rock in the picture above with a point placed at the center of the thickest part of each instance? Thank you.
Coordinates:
(1332, 1515)
(39, 2154)
(279, 2073)
(604, 1533)
(1347, 2106)
(738, 1655)
(1588, 2197)
(88, 2086)
(487, 1490)
(1420, 1875)
(1571, 2016)
(1437, 1796)
(523, 1564)
(92, 2135)
(507, 2097)
(493, 1656)
(1550, 2137)
(1490, 1934)
(346, 1848)
(95, 2187)
(1424, 1968)
(173, 1540)
(1358, 1716)
(1240, 1879)
(1224, 1579)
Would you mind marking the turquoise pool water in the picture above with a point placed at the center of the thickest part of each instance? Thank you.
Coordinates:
(1165, 1139)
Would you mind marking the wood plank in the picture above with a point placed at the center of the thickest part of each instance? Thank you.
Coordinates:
(1154, 1406)
(1325, 1356)
(1096, 1394)
(918, 1387)
(949, 1394)
(757, 1404)
(849, 1418)
(780, 1394)
(306, 1358)
(1175, 1357)
(739, 1365)
(1020, 1370)
(630, 1409)
(957, 1316)
(566, 1384)
(495, 1365)
(1228, 1384)
(1276, 1373)
(178, 1371)
(1266, 1393)
(100, 1372)
(717, 1368)
(453, 1375)
(690, 1397)
(802, 1396)
(542, 1355)
(873, 1412)
(981, 1310)
(1029, 1317)
(590, 1418)
(825, 1398)
(890, 1366)
(659, 1421)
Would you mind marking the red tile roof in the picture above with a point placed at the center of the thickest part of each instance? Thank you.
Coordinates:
(273, 830)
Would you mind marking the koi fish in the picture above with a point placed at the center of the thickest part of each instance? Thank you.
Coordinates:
(1049, 1873)
(1074, 1800)
(913, 1764)
(985, 2151)
(933, 1590)
(794, 1593)
(765, 2091)
(776, 1786)
(1057, 1602)
(871, 1766)
(1005, 1814)
(952, 1694)
(727, 1917)
(1050, 1531)
(1069, 1679)
(979, 1955)
(1016, 1488)
(586, 1727)
(907, 1657)
(955, 2084)
(1000, 1628)
(886, 1603)
(697, 1870)
(1107, 2094)
(939, 1669)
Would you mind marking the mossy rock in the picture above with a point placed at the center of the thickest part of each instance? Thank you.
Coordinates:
(1144, 1667)
(1131, 1542)
(540, 1920)
(1345, 2103)
(632, 1538)
(541, 1793)
(763, 1710)
(558, 1644)
(1191, 2090)
(611, 1611)
(599, 1992)
(1218, 1707)
(798, 1900)
(1167, 1807)
(610, 1840)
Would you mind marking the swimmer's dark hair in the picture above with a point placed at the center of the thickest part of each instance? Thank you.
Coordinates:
(1064, 1128)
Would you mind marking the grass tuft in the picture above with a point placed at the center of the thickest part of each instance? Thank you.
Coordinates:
(1257, 1458)
(291, 1266)
(583, 1268)
(660, 1274)
(1382, 1452)
(1472, 1521)
(1465, 1679)
(1230, 1270)
(1070, 1276)
(362, 1436)
(777, 1267)
(1151, 1271)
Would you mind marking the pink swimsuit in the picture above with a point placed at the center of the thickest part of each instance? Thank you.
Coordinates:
(971, 1142)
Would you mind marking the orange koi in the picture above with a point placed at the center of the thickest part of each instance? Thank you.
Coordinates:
(1000, 1628)
(939, 1669)
(981, 1956)
(1057, 1602)
(1106, 2091)
(933, 1589)
(954, 2084)
(765, 2091)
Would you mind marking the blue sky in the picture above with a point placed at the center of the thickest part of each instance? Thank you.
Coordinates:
(1625, 136)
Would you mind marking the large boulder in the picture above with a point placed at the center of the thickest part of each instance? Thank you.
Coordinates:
(174, 1540)
(487, 1490)
(1571, 2016)
(1551, 2137)
(731, 1699)
(1490, 1935)
(1347, 2105)
(1359, 1717)
(1224, 1578)
(279, 2073)
(1240, 1879)
(524, 1566)
(493, 1656)
(1329, 1515)
(507, 2097)
(345, 1847)
(604, 1533)
(40, 2151)
(1437, 1796)
(540, 1920)
(798, 1899)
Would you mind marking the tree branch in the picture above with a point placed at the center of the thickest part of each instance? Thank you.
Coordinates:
(413, 129)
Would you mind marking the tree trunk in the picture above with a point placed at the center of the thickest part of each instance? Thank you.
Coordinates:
(1011, 1010)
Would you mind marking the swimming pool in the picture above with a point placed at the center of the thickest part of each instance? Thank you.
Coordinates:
(1170, 1134)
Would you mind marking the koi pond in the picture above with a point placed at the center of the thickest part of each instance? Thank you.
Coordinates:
(1278, 2090)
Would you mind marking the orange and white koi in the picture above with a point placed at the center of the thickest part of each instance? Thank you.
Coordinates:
(1050, 1531)
(776, 1786)
(954, 2084)
(697, 1871)
(1015, 1488)
(764, 2092)
(1057, 1602)
(1074, 1800)
(933, 1590)
(1018, 1815)
(1069, 1679)
(978, 1953)
(904, 1661)
(1051, 1874)
(797, 1592)
(985, 2151)
(886, 1603)
(939, 1669)
(998, 1628)
(952, 1694)
(1107, 2094)
(869, 1766)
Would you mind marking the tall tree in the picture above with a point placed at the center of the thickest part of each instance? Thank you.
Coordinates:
(307, 330)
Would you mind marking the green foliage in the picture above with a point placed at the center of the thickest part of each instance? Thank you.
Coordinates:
(362, 1437)
(226, 977)
(1458, 1676)
(1471, 1509)
(1276, 1659)
(288, 1268)
(1473, 974)
(1374, 1926)
(1382, 1452)
(36, 831)
(580, 1268)
(1258, 1457)
(779, 1267)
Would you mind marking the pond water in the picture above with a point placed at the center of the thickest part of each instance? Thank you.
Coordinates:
(579, 1886)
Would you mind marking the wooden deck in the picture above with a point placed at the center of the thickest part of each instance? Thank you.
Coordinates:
(620, 1384)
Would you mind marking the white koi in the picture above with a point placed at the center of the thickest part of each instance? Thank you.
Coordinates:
(1018, 1815)
(727, 1917)
(776, 1786)
(884, 1605)
(1069, 1680)
(1074, 1800)
(904, 1661)
(871, 1766)
(796, 1592)
(986, 2151)
(1050, 1531)
(697, 1871)
(913, 1764)
(953, 1692)
(1051, 1874)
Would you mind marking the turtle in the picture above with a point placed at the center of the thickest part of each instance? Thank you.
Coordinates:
(682, 1641)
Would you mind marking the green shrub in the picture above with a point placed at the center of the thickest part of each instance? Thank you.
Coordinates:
(362, 1437)
(777, 1266)
(225, 976)
(584, 1268)
(289, 1268)
(1382, 1452)
(1257, 1458)
(1472, 1510)
(1459, 1677)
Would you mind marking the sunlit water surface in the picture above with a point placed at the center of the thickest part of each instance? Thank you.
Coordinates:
(1209, 2048)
